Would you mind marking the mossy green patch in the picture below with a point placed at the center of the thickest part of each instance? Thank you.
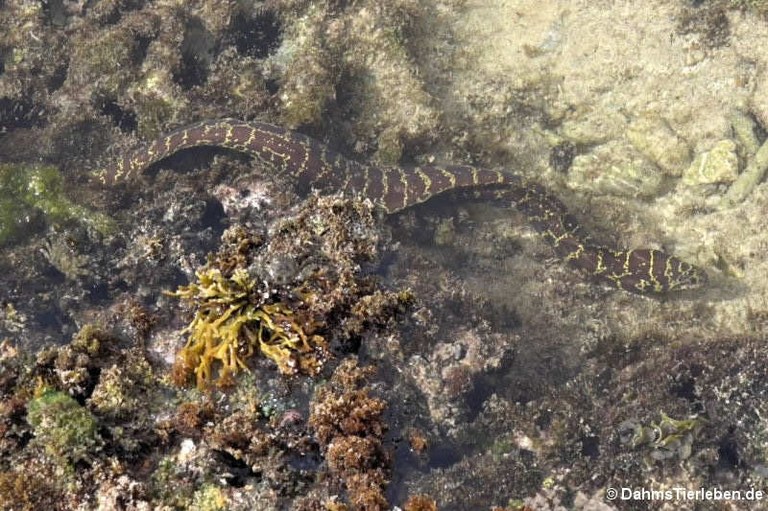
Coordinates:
(26, 189)
(67, 431)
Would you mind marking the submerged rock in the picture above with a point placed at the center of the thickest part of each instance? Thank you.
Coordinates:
(655, 139)
(615, 168)
(718, 165)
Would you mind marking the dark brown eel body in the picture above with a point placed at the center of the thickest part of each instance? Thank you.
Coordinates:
(311, 165)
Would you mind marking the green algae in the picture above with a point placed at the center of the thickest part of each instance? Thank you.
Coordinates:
(25, 189)
(15, 218)
(67, 431)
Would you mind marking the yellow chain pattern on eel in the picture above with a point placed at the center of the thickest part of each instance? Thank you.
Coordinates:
(311, 164)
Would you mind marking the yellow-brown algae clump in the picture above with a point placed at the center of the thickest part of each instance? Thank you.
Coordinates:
(229, 325)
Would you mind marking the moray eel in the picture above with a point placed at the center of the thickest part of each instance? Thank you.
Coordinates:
(312, 165)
